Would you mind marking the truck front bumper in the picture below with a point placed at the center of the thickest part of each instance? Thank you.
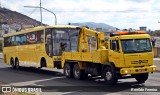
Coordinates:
(137, 70)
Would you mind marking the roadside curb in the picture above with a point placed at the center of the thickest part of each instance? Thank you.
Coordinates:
(3, 84)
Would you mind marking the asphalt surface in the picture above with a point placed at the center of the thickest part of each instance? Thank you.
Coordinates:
(54, 83)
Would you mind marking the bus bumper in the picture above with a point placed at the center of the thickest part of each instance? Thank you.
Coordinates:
(138, 70)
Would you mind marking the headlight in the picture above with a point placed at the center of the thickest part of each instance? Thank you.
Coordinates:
(126, 71)
(154, 69)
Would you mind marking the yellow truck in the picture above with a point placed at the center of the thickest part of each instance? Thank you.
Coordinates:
(125, 55)
(81, 51)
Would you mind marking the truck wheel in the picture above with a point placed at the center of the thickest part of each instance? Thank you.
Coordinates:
(12, 63)
(16, 64)
(78, 73)
(68, 71)
(141, 78)
(109, 76)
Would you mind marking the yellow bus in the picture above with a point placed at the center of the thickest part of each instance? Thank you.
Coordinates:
(40, 46)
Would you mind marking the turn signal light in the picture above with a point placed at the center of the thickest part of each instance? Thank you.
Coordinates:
(125, 32)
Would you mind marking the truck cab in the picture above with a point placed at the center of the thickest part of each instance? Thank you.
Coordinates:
(131, 53)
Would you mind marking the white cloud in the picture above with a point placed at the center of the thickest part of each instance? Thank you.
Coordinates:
(118, 13)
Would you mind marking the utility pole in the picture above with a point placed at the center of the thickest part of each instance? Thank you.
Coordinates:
(0, 4)
(46, 10)
(41, 11)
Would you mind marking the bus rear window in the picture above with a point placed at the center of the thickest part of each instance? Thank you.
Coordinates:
(7, 41)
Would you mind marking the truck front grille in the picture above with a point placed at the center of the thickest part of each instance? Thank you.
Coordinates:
(139, 62)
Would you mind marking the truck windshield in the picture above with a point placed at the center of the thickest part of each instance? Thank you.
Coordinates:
(136, 45)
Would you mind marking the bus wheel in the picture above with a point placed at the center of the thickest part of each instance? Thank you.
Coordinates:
(68, 71)
(78, 73)
(16, 64)
(12, 63)
(141, 78)
(43, 63)
(109, 76)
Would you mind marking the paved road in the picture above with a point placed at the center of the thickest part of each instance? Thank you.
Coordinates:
(48, 78)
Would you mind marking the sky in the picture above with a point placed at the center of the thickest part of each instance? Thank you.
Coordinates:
(123, 14)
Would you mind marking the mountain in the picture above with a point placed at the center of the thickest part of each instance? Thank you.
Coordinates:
(12, 17)
(94, 25)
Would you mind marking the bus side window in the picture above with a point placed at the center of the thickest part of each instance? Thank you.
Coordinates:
(13, 41)
(17, 40)
(40, 36)
(7, 41)
(23, 39)
(48, 43)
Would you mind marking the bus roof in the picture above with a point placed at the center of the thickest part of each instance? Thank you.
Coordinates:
(39, 28)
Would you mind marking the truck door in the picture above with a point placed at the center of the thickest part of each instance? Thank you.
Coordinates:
(115, 54)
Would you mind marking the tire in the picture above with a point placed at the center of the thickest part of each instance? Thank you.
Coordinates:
(78, 73)
(110, 76)
(43, 63)
(12, 63)
(141, 78)
(17, 64)
(68, 71)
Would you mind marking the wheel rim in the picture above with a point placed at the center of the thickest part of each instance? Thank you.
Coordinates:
(17, 64)
(77, 72)
(108, 75)
(12, 63)
(67, 71)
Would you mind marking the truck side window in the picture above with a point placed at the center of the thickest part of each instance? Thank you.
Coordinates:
(92, 42)
(114, 45)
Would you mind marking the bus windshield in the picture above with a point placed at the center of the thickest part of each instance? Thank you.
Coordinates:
(61, 39)
(136, 45)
